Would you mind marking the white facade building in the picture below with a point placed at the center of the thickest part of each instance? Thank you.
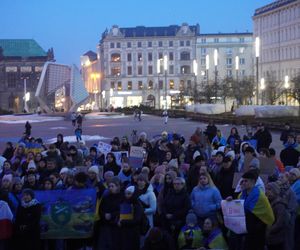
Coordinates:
(278, 27)
(137, 62)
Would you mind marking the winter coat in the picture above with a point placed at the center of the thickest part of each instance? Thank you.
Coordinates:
(205, 201)
(189, 154)
(192, 178)
(27, 226)
(284, 135)
(112, 167)
(148, 200)
(224, 180)
(289, 155)
(276, 233)
(211, 131)
(110, 203)
(177, 204)
(264, 139)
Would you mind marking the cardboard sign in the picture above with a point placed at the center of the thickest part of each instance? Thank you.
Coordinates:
(234, 215)
(104, 147)
(137, 152)
(119, 155)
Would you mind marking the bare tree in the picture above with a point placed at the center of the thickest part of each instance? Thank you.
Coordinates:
(242, 90)
(207, 92)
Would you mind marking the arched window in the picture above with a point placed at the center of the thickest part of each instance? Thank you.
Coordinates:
(115, 57)
(150, 85)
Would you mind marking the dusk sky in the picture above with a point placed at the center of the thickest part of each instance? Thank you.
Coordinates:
(73, 27)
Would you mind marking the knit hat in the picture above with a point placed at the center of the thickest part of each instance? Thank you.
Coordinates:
(250, 175)
(173, 163)
(8, 177)
(275, 188)
(29, 192)
(94, 169)
(295, 171)
(231, 154)
(143, 134)
(115, 180)
(191, 218)
(31, 165)
(130, 189)
(108, 174)
(164, 133)
(214, 152)
(160, 170)
(172, 173)
(64, 170)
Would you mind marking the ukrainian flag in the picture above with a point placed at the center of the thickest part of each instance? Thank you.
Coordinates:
(216, 240)
(257, 203)
(126, 211)
(192, 232)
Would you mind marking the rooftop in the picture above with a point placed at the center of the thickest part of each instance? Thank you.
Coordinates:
(21, 48)
(272, 6)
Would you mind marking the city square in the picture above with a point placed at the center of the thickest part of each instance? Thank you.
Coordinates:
(150, 125)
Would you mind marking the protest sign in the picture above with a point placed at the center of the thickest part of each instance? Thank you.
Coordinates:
(104, 147)
(136, 156)
(119, 155)
(234, 215)
(67, 214)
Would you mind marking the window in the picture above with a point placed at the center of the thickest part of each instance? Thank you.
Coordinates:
(129, 57)
(216, 40)
(185, 69)
(150, 70)
(171, 69)
(150, 85)
(189, 84)
(203, 61)
(150, 57)
(160, 84)
(139, 44)
(203, 40)
(112, 45)
(160, 44)
(128, 44)
(11, 80)
(188, 43)
(140, 70)
(112, 85)
(171, 83)
(185, 56)
(139, 57)
(149, 44)
(203, 51)
(118, 45)
(116, 71)
(229, 51)
(160, 55)
(181, 43)
(170, 43)
(119, 85)
(242, 39)
(229, 61)
(140, 85)
(242, 61)
(129, 70)
(229, 73)
(129, 85)
(116, 57)
(171, 56)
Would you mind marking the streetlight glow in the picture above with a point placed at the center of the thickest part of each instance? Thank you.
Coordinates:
(207, 62)
(286, 82)
(195, 67)
(165, 62)
(262, 84)
(158, 66)
(237, 63)
(257, 45)
(216, 57)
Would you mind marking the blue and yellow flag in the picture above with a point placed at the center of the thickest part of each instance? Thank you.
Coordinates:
(215, 240)
(190, 233)
(126, 211)
(257, 203)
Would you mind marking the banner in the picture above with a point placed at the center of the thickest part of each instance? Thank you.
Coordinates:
(234, 216)
(67, 214)
(104, 147)
(136, 157)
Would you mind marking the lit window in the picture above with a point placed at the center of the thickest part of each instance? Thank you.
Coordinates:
(171, 84)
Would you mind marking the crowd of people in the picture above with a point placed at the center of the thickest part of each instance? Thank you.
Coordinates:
(172, 202)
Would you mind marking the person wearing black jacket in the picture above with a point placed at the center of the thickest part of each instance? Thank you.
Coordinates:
(109, 212)
(131, 212)
(9, 151)
(27, 224)
(175, 207)
(111, 164)
(263, 137)
(284, 134)
(289, 155)
(211, 131)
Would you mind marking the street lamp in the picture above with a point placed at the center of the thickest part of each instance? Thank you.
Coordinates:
(207, 68)
(95, 76)
(257, 47)
(262, 87)
(286, 86)
(158, 87)
(237, 64)
(216, 72)
(165, 69)
(26, 96)
(195, 69)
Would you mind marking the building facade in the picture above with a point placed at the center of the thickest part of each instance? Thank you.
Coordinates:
(233, 53)
(277, 25)
(147, 65)
(21, 64)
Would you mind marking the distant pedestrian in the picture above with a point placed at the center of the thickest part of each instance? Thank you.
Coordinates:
(78, 133)
(27, 129)
(73, 118)
(139, 115)
(166, 116)
(284, 134)
(79, 119)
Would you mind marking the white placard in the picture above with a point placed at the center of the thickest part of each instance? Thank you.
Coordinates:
(234, 215)
(137, 152)
(104, 147)
(119, 155)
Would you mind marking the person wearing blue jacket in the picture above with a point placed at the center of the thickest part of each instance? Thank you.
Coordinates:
(205, 198)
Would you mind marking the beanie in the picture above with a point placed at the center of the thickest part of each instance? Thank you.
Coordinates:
(31, 165)
(295, 171)
(130, 189)
(64, 170)
(191, 218)
(173, 163)
(94, 169)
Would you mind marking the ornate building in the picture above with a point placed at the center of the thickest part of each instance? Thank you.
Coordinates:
(21, 64)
